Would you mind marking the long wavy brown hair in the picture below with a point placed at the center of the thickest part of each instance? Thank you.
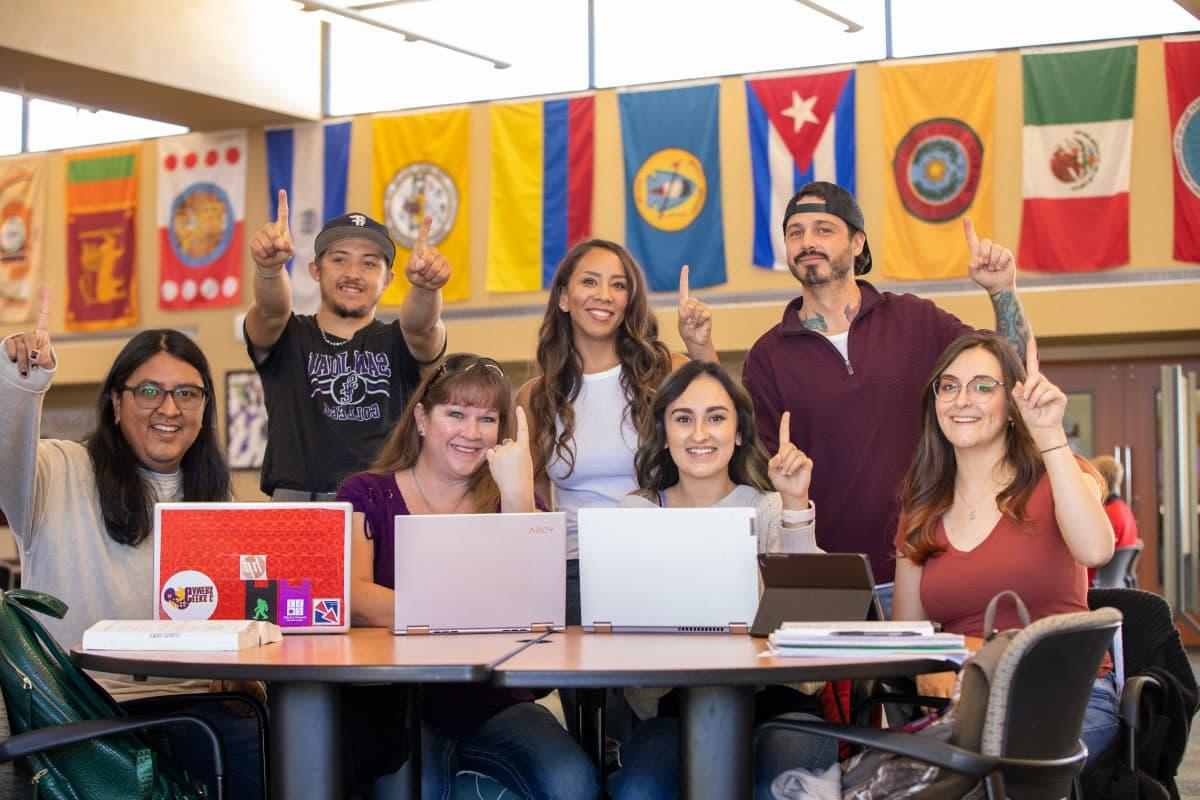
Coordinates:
(656, 469)
(463, 379)
(645, 361)
(928, 489)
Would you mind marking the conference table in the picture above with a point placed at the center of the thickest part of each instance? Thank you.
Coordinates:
(717, 674)
(303, 674)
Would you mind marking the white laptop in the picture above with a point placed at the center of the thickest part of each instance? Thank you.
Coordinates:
(688, 570)
(480, 573)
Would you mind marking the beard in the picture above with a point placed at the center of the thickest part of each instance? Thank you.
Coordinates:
(810, 274)
(346, 312)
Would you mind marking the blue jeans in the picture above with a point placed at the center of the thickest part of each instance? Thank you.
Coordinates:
(650, 759)
(522, 747)
(884, 593)
(1100, 719)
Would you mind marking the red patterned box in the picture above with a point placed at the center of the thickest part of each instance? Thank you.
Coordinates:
(287, 563)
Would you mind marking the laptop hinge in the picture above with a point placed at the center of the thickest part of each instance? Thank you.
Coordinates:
(417, 630)
(601, 627)
(541, 627)
(739, 627)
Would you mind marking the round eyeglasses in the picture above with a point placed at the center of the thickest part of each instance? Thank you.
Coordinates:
(151, 396)
(979, 389)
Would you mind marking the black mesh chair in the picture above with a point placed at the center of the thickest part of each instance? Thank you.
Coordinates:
(1119, 572)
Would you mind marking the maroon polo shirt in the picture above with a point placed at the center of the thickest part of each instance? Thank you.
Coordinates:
(859, 422)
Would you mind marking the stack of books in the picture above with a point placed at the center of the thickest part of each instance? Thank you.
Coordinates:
(866, 639)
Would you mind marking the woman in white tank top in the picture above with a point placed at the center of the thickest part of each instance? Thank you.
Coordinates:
(600, 360)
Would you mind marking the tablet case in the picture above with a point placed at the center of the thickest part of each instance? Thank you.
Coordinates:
(814, 587)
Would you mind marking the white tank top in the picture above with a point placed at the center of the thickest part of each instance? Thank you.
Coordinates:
(603, 462)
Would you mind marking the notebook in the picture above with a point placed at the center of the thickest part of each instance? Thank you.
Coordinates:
(687, 570)
(815, 587)
(480, 573)
(285, 563)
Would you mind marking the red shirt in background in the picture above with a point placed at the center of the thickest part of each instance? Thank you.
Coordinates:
(1125, 531)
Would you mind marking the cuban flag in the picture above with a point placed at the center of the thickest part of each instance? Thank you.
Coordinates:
(801, 130)
(312, 163)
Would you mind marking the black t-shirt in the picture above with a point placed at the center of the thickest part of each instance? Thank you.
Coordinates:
(330, 407)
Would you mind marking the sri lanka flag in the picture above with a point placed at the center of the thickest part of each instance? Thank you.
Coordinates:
(541, 204)
(312, 162)
(801, 130)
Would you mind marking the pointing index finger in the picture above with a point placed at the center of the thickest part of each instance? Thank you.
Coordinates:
(785, 429)
(522, 428)
(281, 212)
(423, 235)
(683, 286)
(1032, 366)
(43, 320)
(972, 239)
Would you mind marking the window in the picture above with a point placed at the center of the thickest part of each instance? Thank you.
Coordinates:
(10, 123)
(53, 126)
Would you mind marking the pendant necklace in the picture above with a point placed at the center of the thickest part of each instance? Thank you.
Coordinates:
(429, 505)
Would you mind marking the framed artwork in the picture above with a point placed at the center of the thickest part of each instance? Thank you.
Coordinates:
(245, 420)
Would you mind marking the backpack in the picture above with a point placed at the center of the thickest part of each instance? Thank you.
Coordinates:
(42, 688)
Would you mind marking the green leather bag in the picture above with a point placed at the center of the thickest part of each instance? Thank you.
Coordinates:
(43, 688)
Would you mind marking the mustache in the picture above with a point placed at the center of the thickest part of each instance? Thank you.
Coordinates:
(809, 252)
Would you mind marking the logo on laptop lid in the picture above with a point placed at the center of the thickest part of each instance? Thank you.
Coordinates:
(188, 594)
(327, 611)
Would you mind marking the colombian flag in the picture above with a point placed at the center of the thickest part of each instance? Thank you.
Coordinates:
(542, 157)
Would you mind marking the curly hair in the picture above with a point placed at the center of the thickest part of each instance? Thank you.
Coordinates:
(645, 360)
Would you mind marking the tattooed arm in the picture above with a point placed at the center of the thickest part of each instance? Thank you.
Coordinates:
(1011, 323)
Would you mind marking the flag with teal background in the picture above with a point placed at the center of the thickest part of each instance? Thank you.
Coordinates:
(673, 184)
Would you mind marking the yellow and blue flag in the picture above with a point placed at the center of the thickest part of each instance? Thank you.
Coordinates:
(541, 201)
(673, 179)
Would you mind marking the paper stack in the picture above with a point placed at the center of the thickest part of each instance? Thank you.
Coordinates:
(173, 634)
(866, 639)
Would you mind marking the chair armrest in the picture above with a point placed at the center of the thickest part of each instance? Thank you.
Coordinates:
(1131, 698)
(899, 698)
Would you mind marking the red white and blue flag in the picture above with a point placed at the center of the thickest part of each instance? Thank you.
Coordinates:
(201, 214)
(801, 130)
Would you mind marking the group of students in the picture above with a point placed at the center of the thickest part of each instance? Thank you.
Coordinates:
(959, 425)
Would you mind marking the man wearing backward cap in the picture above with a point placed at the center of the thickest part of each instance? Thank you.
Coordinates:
(850, 363)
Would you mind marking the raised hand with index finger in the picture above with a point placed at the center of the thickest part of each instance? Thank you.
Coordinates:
(991, 265)
(790, 470)
(426, 268)
(271, 247)
(30, 351)
(695, 318)
(512, 467)
(1040, 403)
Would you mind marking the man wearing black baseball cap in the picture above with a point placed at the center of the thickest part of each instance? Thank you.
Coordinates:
(850, 363)
(334, 382)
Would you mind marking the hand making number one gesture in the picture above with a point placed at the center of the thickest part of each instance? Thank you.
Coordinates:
(1040, 403)
(695, 318)
(272, 245)
(427, 268)
(510, 463)
(790, 469)
(991, 265)
(32, 350)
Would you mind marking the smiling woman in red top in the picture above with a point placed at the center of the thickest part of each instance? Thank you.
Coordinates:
(996, 500)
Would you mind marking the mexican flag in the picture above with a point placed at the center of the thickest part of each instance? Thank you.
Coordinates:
(1078, 141)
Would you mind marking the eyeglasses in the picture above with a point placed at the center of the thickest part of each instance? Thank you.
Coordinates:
(151, 396)
(979, 389)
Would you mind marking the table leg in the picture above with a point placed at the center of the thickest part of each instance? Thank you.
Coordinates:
(716, 752)
(306, 741)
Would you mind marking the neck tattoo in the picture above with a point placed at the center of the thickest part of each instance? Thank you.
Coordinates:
(416, 482)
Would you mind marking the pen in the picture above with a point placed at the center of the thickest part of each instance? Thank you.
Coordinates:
(874, 633)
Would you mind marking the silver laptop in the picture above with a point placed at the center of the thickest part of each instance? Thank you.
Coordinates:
(688, 570)
(480, 573)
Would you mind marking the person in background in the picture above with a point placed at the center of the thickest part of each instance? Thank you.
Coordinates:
(1120, 515)
(446, 456)
(995, 500)
(699, 449)
(92, 503)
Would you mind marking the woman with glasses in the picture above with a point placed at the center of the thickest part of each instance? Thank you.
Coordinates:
(448, 455)
(995, 500)
(601, 360)
(83, 513)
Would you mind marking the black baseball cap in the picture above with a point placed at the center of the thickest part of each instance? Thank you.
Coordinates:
(355, 226)
(842, 205)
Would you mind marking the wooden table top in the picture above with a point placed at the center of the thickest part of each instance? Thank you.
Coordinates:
(580, 659)
(361, 655)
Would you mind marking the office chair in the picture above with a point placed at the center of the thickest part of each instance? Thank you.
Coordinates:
(1119, 571)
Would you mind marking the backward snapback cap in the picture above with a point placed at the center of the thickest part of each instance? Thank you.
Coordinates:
(842, 205)
(355, 226)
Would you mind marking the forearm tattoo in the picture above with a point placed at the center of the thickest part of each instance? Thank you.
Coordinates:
(1011, 323)
(814, 323)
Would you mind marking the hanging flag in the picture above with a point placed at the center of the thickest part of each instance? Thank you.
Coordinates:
(1078, 144)
(938, 122)
(420, 168)
(102, 204)
(22, 210)
(1183, 100)
(673, 179)
(542, 156)
(311, 162)
(801, 130)
(201, 212)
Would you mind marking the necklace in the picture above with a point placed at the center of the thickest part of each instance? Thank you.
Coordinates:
(972, 508)
(429, 505)
(325, 336)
